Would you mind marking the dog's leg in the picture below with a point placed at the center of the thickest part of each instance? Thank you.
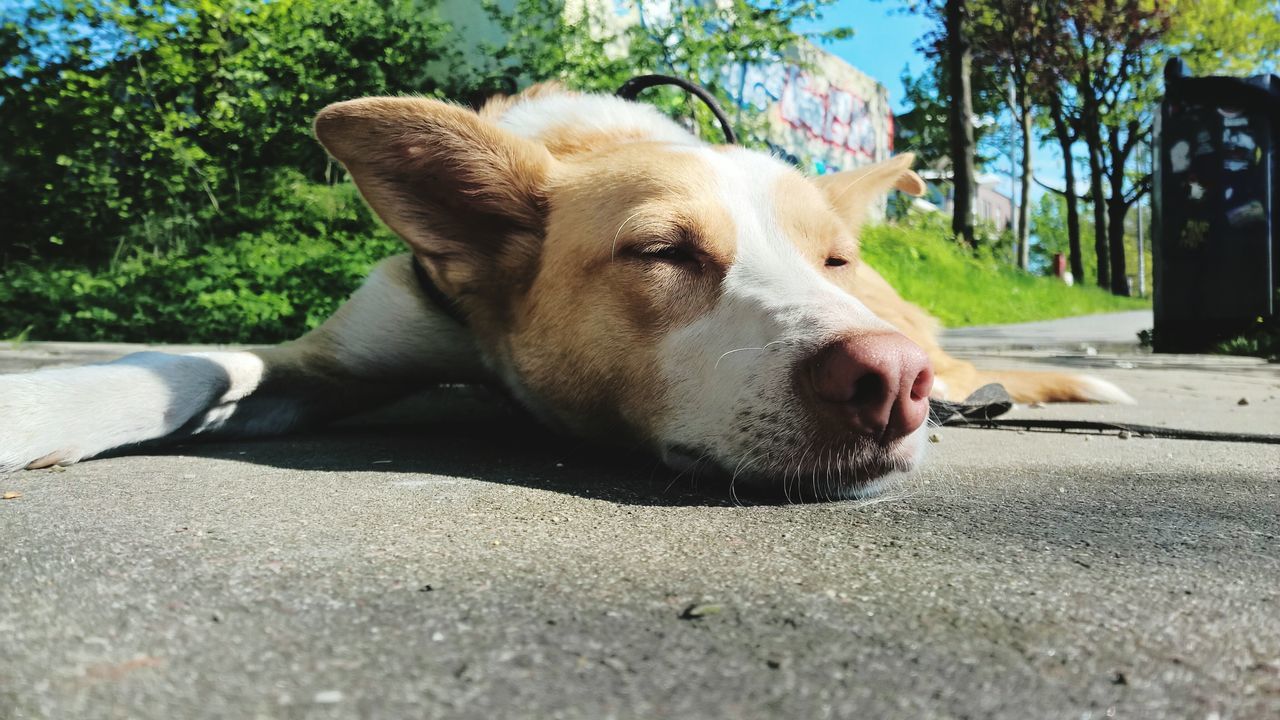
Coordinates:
(1029, 386)
(955, 379)
(387, 339)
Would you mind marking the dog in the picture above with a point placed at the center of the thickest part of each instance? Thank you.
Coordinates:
(617, 277)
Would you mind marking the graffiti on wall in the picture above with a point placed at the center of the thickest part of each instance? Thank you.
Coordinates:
(836, 126)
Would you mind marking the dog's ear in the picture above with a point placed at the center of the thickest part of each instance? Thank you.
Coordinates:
(853, 191)
(467, 196)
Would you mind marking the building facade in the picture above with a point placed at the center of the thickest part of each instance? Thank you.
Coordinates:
(823, 114)
(993, 206)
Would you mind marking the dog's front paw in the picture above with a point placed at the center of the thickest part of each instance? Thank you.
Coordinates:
(64, 415)
(66, 456)
(38, 417)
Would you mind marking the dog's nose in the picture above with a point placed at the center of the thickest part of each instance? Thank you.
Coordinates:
(876, 384)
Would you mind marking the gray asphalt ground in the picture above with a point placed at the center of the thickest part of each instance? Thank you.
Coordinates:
(1117, 332)
(470, 566)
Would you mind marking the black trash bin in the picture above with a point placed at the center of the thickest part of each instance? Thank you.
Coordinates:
(1216, 219)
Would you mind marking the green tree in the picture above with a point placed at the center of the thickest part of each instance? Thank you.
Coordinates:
(951, 43)
(1049, 226)
(1240, 37)
(959, 53)
(1052, 234)
(1101, 81)
(150, 124)
(1011, 34)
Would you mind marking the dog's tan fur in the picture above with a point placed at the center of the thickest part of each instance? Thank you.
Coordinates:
(588, 295)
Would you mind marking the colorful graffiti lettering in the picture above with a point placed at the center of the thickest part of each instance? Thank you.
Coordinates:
(837, 119)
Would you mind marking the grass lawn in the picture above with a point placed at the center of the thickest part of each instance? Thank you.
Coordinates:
(931, 270)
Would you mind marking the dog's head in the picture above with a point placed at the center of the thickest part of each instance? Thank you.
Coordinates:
(697, 299)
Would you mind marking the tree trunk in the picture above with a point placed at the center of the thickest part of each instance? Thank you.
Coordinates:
(1063, 132)
(1117, 209)
(1090, 125)
(960, 121)
(1093, 141)
(1024, 243)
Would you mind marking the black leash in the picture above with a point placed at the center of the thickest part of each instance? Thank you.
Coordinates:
(1082, 427)
(633, 87)
(979, 410)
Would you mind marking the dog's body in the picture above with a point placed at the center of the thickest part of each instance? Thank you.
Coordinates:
(615, 275)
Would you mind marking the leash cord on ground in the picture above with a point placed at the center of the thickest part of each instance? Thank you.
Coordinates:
(979, 411)
(1081, 427)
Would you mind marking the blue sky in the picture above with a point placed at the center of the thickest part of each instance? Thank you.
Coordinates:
(883, 43)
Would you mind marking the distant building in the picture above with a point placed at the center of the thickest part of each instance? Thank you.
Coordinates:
(989, 204)
(992, 205)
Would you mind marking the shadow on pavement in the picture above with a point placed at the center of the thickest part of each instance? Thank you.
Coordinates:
(504, 450)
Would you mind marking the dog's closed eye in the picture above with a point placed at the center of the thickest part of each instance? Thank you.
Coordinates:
(677, 250)
(668, 252)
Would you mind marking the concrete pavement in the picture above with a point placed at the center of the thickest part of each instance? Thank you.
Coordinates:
(1113, 331)
(437, 571)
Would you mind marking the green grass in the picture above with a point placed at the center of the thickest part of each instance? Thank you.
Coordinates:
(931, 270)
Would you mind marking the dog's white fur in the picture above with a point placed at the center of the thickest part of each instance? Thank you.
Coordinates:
(555, 182)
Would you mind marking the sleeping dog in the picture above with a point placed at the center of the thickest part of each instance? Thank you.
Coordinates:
(616, 276)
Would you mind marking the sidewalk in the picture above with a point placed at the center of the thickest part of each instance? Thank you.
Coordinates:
(433, 571)
(1113, 331)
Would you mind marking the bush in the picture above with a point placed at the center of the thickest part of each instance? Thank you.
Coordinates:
(302, 250)
(144, 125)
(1262, 340)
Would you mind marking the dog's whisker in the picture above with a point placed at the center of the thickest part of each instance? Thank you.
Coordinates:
(613, 251)
(762, 348)
(746, 460)
(692, 470)
(802, 464)
(735, 350)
